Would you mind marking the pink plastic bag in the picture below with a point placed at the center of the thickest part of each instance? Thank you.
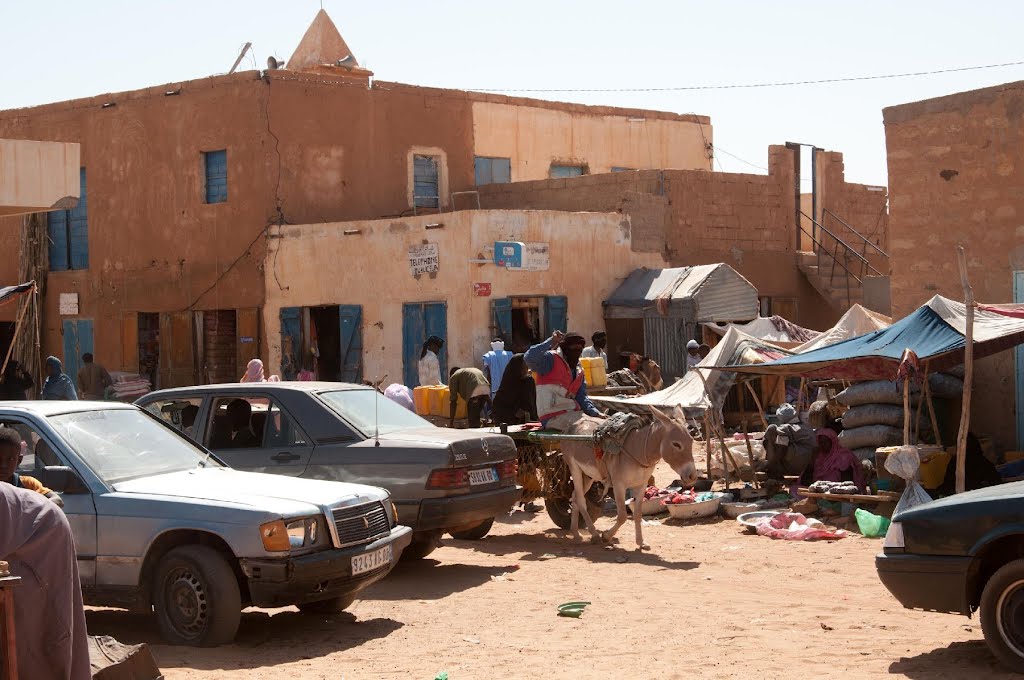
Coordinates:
(795, 527)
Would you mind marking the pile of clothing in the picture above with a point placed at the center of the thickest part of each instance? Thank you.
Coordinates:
(127, 386)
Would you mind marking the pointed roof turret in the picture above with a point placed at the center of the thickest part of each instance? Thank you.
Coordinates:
(322, 44)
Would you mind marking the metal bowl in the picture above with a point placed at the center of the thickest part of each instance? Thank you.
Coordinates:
(751, 520)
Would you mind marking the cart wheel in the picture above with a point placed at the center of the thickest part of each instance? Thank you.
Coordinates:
(560, 509)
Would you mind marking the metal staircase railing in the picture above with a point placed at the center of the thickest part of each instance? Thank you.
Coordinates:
(864, 240)
(843, 249)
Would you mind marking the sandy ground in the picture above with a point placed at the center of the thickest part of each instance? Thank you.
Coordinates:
(708, 601)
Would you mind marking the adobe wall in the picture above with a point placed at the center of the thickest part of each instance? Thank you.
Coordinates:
(378, 250)
(955, 177)
(696, 217)
(154, 245)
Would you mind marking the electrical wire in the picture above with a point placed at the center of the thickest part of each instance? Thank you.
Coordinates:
(738, 86)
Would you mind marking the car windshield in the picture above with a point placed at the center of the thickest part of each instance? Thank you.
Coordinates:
(123, 444)
(370, 411)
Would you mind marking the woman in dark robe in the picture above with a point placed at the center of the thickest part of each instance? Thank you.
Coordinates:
(515, 402)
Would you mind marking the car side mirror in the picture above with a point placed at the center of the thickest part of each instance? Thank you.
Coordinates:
(62, 479)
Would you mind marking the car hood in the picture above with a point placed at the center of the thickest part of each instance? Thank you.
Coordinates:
(991, 493)
(277, 494)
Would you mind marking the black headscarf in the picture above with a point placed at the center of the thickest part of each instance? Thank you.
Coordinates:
(432, 340)
(572, 357)
(515, 393)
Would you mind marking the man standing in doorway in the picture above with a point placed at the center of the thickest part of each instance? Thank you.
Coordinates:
(561, 390)
(471, 385)
(600, 341)
(93, 379)
(495, 362)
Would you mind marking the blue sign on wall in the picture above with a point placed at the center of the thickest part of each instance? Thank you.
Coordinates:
(508, 254)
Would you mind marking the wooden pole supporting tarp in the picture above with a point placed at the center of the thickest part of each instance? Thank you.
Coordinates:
(965, 410)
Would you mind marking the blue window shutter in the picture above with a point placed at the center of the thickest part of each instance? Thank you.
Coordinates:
(351, 317)
(435, 322)
(57, 233)
(501, 170)
(413, 337)
(426, 189)
(482, 170)
(501, 308)
(556, 314)
(291, 342)
(216, 166)
(562, 171)
(78, 229)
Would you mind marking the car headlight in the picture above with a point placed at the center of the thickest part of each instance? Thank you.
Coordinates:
(281, 536)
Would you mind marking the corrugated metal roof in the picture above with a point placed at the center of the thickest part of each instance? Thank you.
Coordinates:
(717, 291)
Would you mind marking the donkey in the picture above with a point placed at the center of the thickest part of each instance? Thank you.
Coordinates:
(664, 438)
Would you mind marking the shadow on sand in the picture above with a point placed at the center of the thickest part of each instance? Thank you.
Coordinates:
(958, 660)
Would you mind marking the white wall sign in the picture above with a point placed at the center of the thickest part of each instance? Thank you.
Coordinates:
(536, 257)
(69, 304)
(423, 258)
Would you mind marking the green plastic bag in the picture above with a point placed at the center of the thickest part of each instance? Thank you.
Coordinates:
(870, 524)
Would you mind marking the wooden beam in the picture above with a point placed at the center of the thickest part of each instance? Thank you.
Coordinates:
(965, 410)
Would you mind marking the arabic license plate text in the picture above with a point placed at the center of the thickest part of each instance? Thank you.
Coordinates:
(370, 561)
(483, 476)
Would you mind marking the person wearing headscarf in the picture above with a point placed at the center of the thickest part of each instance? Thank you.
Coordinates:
(254, 372)
(430, 365)
(15, 383)
(833, 463)
(561, 389)
(515, 402)
(58, 386)
(495, 362)
(401, 395)
(788, 445)
(693, 356)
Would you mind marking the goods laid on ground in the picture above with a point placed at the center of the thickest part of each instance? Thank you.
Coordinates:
(794, 527)
(692, 505)
(834, 487)
(128, 386)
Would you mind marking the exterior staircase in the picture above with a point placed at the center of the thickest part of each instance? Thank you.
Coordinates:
(835, 267)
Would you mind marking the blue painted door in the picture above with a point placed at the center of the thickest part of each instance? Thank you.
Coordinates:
(1018, 296)
(501, 308)
(351, 317)
(77, 341)
(420, 320)
(291, 342)
(556, 314)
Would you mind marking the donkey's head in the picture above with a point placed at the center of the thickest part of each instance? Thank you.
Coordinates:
(676, 444)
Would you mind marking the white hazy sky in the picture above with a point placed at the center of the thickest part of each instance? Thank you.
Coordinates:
(65, 49)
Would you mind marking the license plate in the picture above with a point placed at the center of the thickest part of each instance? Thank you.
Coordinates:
(370, 561)
(483, 476)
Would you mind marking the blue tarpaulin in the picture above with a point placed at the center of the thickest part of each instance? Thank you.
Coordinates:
(934, 332)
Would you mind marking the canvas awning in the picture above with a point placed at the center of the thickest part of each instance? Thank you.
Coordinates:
(689, 391)
(775, 329)
(856, 321)
(704, 293)
(935, 332)
(11, 293)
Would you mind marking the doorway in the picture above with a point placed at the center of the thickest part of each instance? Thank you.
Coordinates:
(217, 346)
(149, 347)
(325, 342)
(523, 321)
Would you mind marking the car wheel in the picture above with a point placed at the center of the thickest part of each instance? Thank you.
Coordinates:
(474, 533)
(560, 511)
(423, 543)
(196, 597)
(334, 605)
(1002, 615)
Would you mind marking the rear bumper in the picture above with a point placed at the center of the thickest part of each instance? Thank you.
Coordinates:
(320, 576)
(455, 512)
(926, 582)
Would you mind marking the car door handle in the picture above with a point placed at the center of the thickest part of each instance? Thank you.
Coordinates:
(284, 457)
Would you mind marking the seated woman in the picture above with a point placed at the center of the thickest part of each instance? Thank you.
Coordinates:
(515, 402)
(833, 463)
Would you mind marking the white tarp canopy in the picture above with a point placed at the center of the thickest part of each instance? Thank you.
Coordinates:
(774, 329)
(858, 320)
(689, 392)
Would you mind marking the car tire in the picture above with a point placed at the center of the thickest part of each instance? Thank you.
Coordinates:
(474, 533)
(423, 543)
(334, 605)
(1002, 610)
(196, 597)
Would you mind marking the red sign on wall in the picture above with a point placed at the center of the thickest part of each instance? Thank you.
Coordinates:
(482, 289)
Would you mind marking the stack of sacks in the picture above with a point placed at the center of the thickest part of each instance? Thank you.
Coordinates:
(128, 386)
(875, 416)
